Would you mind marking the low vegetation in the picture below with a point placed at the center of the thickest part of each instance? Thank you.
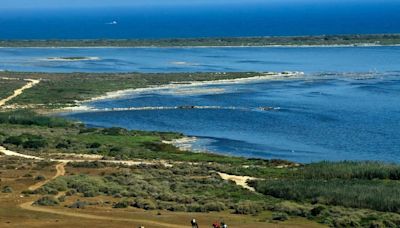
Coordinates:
(178, 188)
(330, 186)
(351, 170)
(339, 194)
(57, 90)
(28, 117)
(384, 39)
(8, 86)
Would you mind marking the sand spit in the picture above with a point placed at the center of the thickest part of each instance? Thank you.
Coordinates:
(181, 85)
(152, 108)
(218, 46)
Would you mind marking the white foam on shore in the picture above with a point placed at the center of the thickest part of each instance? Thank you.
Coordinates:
(216, 46)
(69, 59)
(180, 85)
(177, 85)
(184, 143)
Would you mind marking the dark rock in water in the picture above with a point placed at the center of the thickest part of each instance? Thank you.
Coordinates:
(186, 107)
(266, 108)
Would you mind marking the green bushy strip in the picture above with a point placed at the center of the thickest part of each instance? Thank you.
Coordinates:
(27, 117)
(27, 141)
(376, 195)
(351, 170)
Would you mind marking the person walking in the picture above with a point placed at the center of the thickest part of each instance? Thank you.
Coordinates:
(223, 225)
(194, 223)
(216, 225)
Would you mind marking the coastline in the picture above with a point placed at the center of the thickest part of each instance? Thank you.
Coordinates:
(81, 107)
(366, 45)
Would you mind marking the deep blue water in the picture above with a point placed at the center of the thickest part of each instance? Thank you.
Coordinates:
(320, 117)
(215, 20)
(347, 105)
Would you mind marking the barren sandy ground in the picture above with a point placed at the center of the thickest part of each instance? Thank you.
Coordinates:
(239, 180)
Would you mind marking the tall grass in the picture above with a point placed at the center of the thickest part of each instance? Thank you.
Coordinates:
(378, 195)
(350, 170)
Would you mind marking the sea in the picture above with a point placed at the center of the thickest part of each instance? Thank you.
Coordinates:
(217, 19)
(346, 106)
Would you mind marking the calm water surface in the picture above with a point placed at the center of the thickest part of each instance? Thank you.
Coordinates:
(347, 59)
(347, 105)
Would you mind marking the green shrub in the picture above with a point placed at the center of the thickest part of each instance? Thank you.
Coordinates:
(78, 204)
(94, 145)
(15, 140)
(115, 131)
(70, 192)
(46, 201)
(28, 141)
(121, 204)
(34, 144)
(144, 204)
(214, 206)
(40, 178)
(7, 189)
(292, 208)
(248, 207)
(62, 198)
(195, 207)
(317, 210)
(280, 216)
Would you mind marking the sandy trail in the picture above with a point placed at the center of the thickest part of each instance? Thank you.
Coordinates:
(15, 154)
(17, 92)
(60, 171)
(239, 180)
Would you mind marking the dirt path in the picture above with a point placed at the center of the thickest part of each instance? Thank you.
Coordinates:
(239, 180)
(60, 171)
(17, 92)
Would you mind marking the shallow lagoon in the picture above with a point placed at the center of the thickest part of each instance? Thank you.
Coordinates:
(307, 59)
(347, 105)
(314, 119)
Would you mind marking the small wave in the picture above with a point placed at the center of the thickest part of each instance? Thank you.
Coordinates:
(182, 107)
(71, 59)
(182, 63)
